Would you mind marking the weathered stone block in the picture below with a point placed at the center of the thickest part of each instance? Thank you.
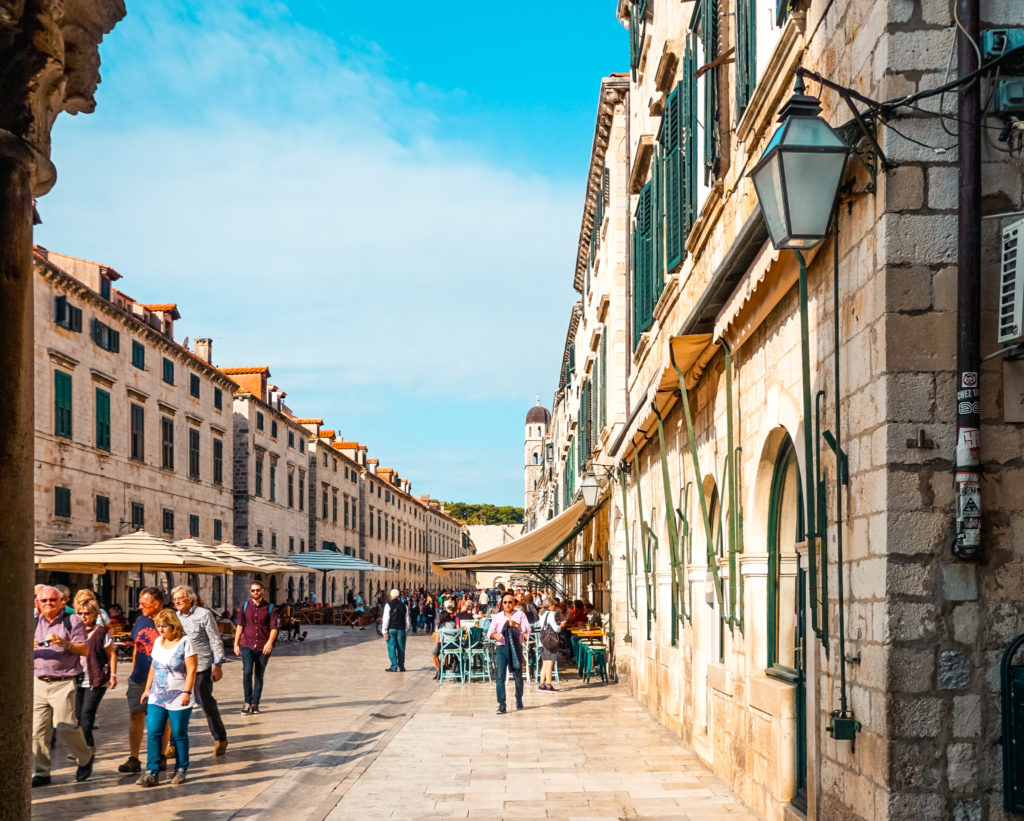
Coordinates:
(967, 810)
(943, 187)
(904, 188)
(915, 717)
(910, 579)
(920, 342)
(911, 670)
(911, 398)
(912, 621)
(961, 766)
(959, 582)
(954, 670)
(913, 806)
(967, 716)
(965, 623)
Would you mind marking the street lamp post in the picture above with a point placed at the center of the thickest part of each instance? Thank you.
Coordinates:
(797, 181)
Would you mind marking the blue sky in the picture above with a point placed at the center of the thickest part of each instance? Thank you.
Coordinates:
(383, 207)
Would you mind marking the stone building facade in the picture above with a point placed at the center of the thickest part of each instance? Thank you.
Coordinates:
(721, 523)
(273, 498)
(133, 430)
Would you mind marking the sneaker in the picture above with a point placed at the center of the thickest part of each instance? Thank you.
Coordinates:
(40, 781)
(148, 779)
(85, 770)
(552, 688)
(254, 709)
(501, 711)
(179, 777)
(132, 765)
(220, 747)
(246, 709)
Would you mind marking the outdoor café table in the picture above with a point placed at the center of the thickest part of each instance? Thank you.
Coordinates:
(348, 617)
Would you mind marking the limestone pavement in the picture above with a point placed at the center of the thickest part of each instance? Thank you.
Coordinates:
(340, 738)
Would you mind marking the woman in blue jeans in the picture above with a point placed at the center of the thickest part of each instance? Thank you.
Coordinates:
(169, 689)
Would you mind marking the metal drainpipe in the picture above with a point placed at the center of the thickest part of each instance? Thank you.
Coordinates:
(967, 543)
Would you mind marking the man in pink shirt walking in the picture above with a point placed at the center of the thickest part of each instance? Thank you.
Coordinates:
(509, 630)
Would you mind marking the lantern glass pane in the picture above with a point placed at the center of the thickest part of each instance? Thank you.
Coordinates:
(811, 182)
(811, 132)
(771, 196)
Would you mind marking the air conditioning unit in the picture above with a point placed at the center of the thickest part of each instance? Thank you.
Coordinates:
(1011, 284)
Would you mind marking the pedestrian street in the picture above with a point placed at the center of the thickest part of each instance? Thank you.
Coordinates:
(340, 738)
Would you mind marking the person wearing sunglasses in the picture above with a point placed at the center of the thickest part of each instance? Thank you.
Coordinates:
(509, 629)
(60, 642)
(255, 634)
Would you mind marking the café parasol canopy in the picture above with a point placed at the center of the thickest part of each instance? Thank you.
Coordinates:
(263, 562)
(134, 551)
(232, 563)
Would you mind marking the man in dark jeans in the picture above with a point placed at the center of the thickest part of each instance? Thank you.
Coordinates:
(394, 623)
(256, 626)
(201, 627)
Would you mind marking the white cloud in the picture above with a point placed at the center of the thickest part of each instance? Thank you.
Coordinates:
(312, 214)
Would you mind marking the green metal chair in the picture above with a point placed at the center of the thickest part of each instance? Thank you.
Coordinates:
(476, 650)
(451, 650)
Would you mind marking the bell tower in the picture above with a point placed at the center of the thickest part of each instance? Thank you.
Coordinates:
(538, 423)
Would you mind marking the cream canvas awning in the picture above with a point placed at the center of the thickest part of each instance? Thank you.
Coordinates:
(691, 354)
(139, 550)
(529, 551)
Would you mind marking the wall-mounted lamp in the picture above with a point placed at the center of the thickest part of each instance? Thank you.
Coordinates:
(798, 175)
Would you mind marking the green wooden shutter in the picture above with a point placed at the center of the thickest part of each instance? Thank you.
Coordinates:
(62, 404)
(603, 404)
(670, 125)
(643, 296)
(712, 136)
(688, 176)
(102, 419)
(746, 53)
(657, 228)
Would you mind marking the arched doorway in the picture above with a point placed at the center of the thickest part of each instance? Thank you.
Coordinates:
(786, 604)
(334, 590)
(273, 589)
(302, 589)
(291, 589)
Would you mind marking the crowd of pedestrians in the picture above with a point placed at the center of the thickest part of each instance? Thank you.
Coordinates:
(177, 656)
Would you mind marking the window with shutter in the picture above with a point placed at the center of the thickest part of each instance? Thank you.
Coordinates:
(193, 526)
(603, 404)
(167, 443)
(103, 509)
(62, 501)
(168, 371)
(637, 32)
(688, 135)
(642, 264)
(193, 453)
(138, 441)
(671, 146)
(102, 419)
(62, 404)
(218, 464)
(138, 355)
(746, 53)
(706, 26)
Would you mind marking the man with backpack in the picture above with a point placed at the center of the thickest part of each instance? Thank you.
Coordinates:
(256, 626)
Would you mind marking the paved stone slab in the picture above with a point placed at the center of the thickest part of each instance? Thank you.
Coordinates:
(339, 738)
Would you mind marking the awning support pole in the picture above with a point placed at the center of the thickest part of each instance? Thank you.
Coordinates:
(810, 492)
(733, 494)
(645, 539)
(712, 562)
(630, 597)
(687, 549)
(673, 533)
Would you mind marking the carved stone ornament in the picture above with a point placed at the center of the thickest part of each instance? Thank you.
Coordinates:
(49, 63)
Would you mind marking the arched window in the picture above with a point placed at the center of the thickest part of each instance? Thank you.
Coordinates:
(785, 530)
(273, 589)
(535, 461)
(217, 594)
(291, 589)
(302, 589)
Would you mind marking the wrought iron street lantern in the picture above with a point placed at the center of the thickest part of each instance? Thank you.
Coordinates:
(798, 175)
(591, 489)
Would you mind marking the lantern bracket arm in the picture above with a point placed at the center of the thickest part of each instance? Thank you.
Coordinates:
(849, 95)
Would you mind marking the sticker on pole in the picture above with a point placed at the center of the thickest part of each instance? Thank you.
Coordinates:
(967, 447)
(969, 379)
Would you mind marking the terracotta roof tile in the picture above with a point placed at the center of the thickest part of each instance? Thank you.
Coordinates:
(256, 369)
(347, 445)
(311, 421)
(327, 434)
